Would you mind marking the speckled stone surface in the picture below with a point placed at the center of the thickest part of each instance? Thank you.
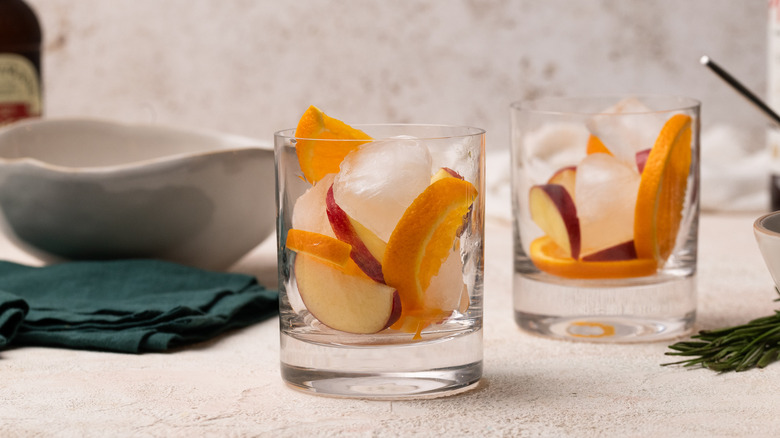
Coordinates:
(532, 387)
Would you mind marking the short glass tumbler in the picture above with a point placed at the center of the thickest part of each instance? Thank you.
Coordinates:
(381, 261)
(606, 204)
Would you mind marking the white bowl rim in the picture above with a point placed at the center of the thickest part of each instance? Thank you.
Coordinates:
(759, 226)
(249, 144)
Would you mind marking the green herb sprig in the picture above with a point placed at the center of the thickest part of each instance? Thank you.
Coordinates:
(738, 348)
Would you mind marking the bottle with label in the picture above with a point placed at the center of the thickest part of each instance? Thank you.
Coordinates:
(20, 62)
(773, 100)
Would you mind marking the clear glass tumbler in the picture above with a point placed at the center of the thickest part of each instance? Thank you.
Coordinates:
(381, 263)
(606, 203)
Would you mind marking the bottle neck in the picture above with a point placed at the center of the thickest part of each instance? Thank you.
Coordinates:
(19, 28)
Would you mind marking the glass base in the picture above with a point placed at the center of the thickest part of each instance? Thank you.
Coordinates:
(605, 328)
(644, 312)
(427, 369)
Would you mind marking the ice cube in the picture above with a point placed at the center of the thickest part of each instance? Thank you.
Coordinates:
(446, 287)
(455, 154)
(309, 211)
(551, 147)
(378, 181)
(606, 197)
(626, 128)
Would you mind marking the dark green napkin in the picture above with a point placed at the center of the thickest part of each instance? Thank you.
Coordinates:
(12, 312)
(127, 306)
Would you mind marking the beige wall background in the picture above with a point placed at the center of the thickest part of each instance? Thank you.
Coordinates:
(252, 67)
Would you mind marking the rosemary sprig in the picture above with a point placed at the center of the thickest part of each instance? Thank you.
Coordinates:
(737, 348)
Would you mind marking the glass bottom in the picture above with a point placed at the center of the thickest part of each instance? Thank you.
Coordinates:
(426, 369)
(646, 312)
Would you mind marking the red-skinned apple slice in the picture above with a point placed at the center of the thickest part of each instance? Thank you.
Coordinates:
(367, 248)
(622, 251)
(641, 159)
(565, 177)
(445, 172)
(553, 210)
(342, 301)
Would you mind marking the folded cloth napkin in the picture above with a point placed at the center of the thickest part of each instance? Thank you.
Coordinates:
(129, 306)
(12, 312)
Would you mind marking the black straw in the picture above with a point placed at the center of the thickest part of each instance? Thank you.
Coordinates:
(747, 94)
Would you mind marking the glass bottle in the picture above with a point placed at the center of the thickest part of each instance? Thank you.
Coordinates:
(20, 62)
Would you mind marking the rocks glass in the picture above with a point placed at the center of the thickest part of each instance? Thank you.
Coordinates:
(381, 261)
(605, 199)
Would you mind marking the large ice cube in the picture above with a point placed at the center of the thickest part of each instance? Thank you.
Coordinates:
(626, 128)
(377, 182)
(551, 147)
(446, 288)
(606, 197)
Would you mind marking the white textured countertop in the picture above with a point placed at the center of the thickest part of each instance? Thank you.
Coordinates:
(531, 387)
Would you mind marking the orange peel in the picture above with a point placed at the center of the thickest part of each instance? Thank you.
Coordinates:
(318, 152)
(595, 146)
(662, 189)
(324, 248)
(552, 259)
(421, 241)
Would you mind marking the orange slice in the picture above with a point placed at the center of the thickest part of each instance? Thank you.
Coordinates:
(550, 258)
(417, 320)
(595, 146)
(423, 238)
(323, 247)
(661, 195)
(591, 329)
(317, 155)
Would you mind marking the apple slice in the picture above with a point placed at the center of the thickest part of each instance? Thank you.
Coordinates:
(641, 159)
(367, 248)
(553, 210)
(565, 177)
(622, 251)
(445, 172)
(344, 302)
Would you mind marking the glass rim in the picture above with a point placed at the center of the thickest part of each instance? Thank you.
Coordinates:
(468, 131)
(545, 105)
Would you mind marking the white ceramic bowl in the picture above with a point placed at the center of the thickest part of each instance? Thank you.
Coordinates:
(767, 231)
(92, 189)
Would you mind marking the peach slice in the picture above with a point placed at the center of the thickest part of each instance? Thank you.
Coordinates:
(344, 302)
(367, 248)
(553, 210)
(325, 248)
